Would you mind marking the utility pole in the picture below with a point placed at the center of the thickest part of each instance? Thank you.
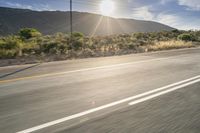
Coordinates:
(71, 23)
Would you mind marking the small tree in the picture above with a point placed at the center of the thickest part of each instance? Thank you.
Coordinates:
(28, 33)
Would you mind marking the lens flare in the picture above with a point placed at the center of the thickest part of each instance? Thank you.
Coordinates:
(107, 7)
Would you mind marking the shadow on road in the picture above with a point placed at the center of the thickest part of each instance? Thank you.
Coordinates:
(20, 70)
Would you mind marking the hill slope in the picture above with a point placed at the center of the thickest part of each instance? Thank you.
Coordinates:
(49, 22)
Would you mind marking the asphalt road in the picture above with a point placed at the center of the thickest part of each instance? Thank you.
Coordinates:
(152, 92)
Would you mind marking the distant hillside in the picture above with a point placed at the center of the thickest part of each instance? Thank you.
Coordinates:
(50, 22)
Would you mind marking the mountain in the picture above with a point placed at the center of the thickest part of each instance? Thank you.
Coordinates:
(50, 22)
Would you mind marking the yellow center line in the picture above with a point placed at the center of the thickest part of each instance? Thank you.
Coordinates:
(84, 69)
(28, 77)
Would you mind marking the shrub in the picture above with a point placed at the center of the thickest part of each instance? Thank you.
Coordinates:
(77, 44)
(175, 31)
(28, 33)
(77, 41)
(49, 47)
(7, 53)
(186, 37)
(165, 45)
(11, 42)
(2, 44)
(77, 35)
(30, 42)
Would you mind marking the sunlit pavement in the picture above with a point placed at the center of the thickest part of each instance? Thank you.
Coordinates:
(33, 95)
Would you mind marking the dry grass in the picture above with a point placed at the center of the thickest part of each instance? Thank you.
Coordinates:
(165, 45)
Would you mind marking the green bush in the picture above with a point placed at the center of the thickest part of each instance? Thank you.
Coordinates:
(186, 37)
(175, 31)
(77, 41)
(77, 35)
(7, 53)
(53, 47)
(30, 42)
(28, 33)
(2, 44)
(11, 45)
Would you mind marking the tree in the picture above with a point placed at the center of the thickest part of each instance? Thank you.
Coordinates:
(28, 33)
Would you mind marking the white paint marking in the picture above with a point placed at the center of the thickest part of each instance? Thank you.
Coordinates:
(110, 105)
(164, 92)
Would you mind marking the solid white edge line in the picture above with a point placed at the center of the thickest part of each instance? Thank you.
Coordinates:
(163, 92)
(48, 124)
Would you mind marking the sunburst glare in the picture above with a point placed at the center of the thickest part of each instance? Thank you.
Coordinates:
(107, 7)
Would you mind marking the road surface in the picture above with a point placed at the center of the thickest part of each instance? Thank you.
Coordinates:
(151, 92)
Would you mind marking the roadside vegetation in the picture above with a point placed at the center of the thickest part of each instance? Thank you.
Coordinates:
(30, 45)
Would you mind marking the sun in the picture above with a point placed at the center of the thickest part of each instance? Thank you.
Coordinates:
(107, 7)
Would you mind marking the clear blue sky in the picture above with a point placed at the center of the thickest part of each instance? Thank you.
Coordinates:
(182, 14)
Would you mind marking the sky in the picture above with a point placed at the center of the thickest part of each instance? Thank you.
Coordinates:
(181, 14)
